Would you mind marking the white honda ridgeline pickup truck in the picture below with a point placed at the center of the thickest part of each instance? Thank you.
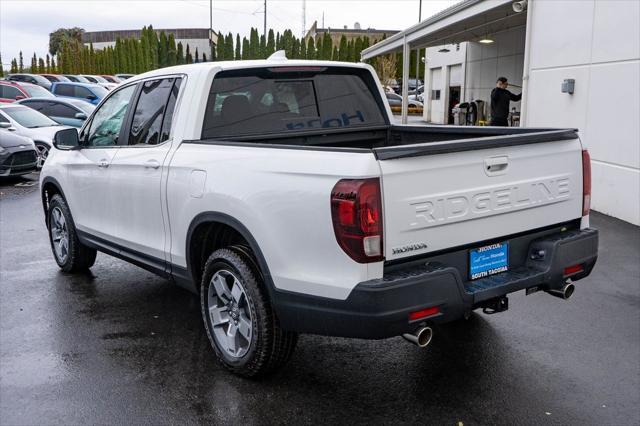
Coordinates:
(283, 193)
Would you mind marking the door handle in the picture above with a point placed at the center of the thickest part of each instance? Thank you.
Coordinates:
(151, 164)
(496, 165)
(103, 163)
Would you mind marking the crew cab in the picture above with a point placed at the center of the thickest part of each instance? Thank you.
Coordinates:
(283, 193)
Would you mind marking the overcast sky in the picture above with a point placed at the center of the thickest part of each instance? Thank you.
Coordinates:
(25, 24)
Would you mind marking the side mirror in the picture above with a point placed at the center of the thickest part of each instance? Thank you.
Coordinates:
(92, 97)
(4, 125)
(80, 116)
(19, 97)
(66, 139)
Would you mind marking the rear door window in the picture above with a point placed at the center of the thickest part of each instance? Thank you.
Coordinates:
(61, 110)
(289, 100)
(64, 90)
(83, 92)
(146, 127)
(9, 92)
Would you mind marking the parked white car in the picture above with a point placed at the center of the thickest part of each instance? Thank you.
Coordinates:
(30, 123)
(284, 195)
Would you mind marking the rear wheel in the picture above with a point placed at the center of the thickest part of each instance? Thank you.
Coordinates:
(240, 322)
(70, 254)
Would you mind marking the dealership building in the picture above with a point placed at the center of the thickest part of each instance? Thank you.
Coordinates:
(197, 38)
(578, 65)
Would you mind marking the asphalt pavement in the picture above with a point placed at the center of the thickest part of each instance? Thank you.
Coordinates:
(120, 345)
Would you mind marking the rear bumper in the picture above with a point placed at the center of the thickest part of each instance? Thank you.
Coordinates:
(380, 308)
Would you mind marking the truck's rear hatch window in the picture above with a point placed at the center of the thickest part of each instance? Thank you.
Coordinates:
(282, 100)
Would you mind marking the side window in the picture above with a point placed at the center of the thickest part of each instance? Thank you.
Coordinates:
(11, 92)
(38, 106)
(64, 90)
(107, 120)
(82, 92)
(146, 127)
(171, 106)
(3, 119)
(61, 110)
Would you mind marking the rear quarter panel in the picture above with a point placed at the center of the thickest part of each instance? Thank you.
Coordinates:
(282, 196)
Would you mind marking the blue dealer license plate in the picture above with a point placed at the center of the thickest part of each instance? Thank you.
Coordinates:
(488, 260)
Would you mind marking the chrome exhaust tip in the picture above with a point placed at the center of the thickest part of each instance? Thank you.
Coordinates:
(565, 292)
(421, 337)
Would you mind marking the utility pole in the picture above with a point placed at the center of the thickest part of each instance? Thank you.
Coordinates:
(304, 17)
(265, 21)
(418, 52)
(210, 15)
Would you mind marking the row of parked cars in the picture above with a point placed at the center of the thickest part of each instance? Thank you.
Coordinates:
(33, 107)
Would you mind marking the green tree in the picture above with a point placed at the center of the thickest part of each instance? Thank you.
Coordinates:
(21, 63)
(343, 51)
(1, 67)
(254, 43)
(238, 55)
(357, 50)
(180, 54)
(311, 49)
(213, 53)
(188, 59)
(334, 54)
(196, 56)
(41, 68)
(163, 51)
(319, 48)
(271, 44)
(303, 49)
(172, 58)
(14, 66)
(48, 64)
(262, 51)
(228, 51)
(245, 48)
(295, 48)
(34, 64)
(63, 35)
(327, 46)
(204, 57)
(54, 68)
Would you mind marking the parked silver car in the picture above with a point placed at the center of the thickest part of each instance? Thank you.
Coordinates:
(28, 122)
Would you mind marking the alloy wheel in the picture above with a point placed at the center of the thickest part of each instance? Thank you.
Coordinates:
(59, 234)
(229, 314)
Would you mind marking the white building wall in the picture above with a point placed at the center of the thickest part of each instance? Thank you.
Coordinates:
(194, 43)
(443, 69)
(486, 62)
(597, 43)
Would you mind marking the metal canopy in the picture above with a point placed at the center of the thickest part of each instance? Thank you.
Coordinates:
(469, 20)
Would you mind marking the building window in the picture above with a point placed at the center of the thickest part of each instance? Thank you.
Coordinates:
(435, 95)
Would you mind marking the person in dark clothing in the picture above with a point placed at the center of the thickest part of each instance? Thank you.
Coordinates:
(500, 98)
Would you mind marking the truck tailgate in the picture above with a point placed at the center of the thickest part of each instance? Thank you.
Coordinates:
(451, 199)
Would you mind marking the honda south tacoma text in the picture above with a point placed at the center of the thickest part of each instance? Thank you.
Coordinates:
(284, 194)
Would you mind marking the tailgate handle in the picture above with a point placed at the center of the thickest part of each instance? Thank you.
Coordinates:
(495, 166)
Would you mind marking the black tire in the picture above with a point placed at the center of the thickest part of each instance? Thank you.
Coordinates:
(270, 346)
(79, 257)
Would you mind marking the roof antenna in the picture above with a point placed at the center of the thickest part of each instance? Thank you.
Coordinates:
(280, 55)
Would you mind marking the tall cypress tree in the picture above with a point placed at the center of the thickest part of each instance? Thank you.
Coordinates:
(180, 54)
(213, 53)
(262, 51)
(163, 51)
(303, 49)
(196, 56)
(47, 62)
(172, 53)
(41, 68)
(327, 46)
(238, 55)
(1, 67)
(204, 57)
(254, 43)
(334, 54)
(311, 49)
(343, 50)
(34, 64)
(271, 44)
(357, 49)
(320, 48)
(20, 63)
(228, 52)
(54, 68)
(14, 66)
(188, 59)
(245, 48)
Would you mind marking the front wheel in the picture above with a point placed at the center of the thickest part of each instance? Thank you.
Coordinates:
(241, 325)
(70, 254)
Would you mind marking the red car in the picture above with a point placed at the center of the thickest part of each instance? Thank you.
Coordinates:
(11, 91)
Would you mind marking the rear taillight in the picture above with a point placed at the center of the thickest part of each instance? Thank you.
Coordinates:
(586, 182)
(356, 210)
(572, 270)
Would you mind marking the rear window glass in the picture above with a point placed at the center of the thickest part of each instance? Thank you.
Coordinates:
(286, 100)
